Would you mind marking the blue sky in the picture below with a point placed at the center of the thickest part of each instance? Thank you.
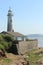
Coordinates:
(28, 15)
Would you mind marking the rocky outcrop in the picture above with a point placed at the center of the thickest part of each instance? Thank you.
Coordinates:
(2, 54)
(22, 61)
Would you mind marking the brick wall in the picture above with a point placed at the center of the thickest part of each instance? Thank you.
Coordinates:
(24, 46)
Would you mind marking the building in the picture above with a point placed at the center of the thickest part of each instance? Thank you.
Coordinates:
(17, 35)
(22, 46)
(9, 25)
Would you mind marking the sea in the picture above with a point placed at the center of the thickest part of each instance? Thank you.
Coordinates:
(40, 40)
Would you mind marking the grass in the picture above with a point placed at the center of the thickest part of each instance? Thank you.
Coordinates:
(7, 60)
(33, 57)
(33, 64)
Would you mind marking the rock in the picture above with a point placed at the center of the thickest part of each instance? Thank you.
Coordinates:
(2, 54)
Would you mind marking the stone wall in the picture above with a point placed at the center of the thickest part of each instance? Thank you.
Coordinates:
(24, 46)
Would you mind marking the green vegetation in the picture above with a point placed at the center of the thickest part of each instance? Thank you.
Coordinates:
(6, 60)
(27, 39)
(5, 41)
(33, 57)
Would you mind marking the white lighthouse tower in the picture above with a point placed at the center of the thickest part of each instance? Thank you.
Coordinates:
(9, 25)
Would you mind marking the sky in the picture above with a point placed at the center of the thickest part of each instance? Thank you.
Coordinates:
(27, 16)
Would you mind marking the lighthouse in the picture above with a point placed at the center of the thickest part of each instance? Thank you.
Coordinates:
(9, 25)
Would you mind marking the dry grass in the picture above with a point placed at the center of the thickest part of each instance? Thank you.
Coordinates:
(11, 59)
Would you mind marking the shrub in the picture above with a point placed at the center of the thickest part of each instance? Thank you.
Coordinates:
(5, 44)
(27, 39)
(2, 47)
(1, 38)
(8, 38)
(6, 41)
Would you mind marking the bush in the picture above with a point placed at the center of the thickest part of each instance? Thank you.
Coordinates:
(5, 44)
(8, 38)
(27, 39)
(1, 38)
(2, 47)
(6, 41)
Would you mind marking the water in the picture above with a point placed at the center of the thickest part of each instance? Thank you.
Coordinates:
(40, 40)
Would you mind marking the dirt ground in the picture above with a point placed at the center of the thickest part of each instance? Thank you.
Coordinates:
(15, 60)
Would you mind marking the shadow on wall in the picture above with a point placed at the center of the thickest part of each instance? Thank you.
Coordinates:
(13, 48)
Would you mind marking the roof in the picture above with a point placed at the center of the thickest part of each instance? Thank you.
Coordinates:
(16, 34)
